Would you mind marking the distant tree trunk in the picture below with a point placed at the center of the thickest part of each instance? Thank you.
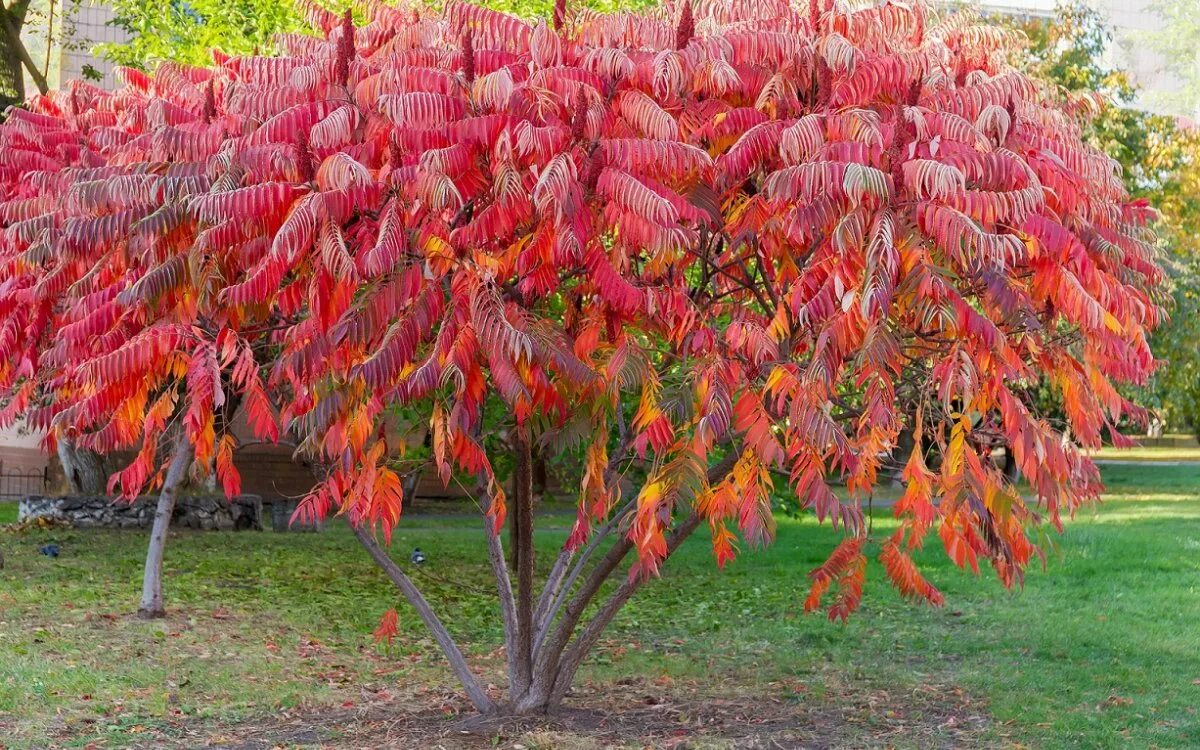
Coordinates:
(1011, 471)
(84, 469)
(12, 76)
(14, 56)
(905, 442)
(409, 485)
(152, 596)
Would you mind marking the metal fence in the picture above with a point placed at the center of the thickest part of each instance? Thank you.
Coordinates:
(16, 483)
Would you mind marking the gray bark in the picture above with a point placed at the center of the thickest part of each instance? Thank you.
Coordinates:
(560, 583)
(523, 497)
(152, 593)
(504, 589)
(555, 666)
(84, 469)
(571, 660)
(478, 696)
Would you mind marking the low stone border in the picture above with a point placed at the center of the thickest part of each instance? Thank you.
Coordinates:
(204, 512)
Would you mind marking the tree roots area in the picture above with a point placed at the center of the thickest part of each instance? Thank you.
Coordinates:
(268, 643)
(631, 713)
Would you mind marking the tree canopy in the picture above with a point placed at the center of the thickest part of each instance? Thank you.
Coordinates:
(723, 247)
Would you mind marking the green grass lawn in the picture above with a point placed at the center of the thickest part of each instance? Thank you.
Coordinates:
(1101, 649)
(1185, 448)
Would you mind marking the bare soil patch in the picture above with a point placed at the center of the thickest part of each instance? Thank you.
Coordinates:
(627, 714)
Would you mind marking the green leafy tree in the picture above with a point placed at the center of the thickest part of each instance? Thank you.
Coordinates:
(187, 31)
(1178, 41)
(1160, 158)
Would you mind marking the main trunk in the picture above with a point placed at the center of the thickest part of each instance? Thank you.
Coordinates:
(152, 590)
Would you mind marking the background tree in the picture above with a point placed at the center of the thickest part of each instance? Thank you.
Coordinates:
(188, 32)
(1160, 160)
(15, 60)
(1178, 41)
(704, 250)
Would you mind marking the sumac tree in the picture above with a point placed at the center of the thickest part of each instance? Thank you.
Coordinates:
(729, 248)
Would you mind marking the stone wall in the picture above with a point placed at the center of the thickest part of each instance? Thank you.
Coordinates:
(206, 512)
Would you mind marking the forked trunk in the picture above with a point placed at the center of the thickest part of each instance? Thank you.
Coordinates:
(544, 650)
(152, 589)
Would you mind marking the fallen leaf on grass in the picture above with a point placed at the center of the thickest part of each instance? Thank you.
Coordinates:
(1114, 700)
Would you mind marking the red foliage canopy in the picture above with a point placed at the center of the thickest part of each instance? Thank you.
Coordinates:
(793, 237)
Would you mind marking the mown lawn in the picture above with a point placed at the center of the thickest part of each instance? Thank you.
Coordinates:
(1102, 649)
(1185, 448)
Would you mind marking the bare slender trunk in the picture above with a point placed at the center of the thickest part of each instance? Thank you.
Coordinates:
(546, 662)
(550, 592)
(508, 606)
(590, 635)
(152, 595)
(559, 584)
(523, 485)
(458, 663)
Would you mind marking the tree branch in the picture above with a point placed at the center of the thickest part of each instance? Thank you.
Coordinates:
(547, 613)
(458, 662)
(588, 637)
(523, 481)
(14, 40)
(546, 662)
(504, 589)
(546, 665)
(555, 590)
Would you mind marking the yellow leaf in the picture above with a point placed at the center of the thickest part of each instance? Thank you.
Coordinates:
(1112, 323)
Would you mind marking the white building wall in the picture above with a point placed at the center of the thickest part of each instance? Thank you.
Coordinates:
(90, 20)
(1130, 21)
(21, 451)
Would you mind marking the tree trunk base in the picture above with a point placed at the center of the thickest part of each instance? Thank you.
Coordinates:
(506, 713)
(151, 614)
(539, 700)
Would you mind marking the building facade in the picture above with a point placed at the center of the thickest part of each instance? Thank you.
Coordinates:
(88, 23)
(1131, 21)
